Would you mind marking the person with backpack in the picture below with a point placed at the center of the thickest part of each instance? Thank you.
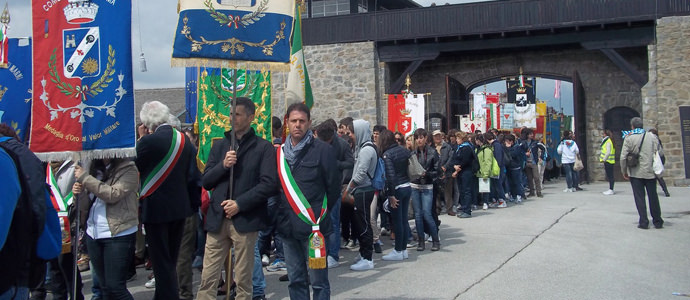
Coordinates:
(497, 190)
(29, 227)
(514, 168)
(362, 193)
(485, 156)
(422, 191)
(465, 166)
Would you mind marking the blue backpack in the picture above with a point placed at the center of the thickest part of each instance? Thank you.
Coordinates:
(378, 181)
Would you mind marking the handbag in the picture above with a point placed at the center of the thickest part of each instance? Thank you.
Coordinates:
(484, 185)
(658, 165)
(414, 168)
(578, 163)
(632, 159)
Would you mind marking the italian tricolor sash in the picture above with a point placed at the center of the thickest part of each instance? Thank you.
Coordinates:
(164, 167)
(301, 207)
(61, 205)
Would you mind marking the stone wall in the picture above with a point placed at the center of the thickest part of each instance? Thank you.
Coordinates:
(667, 89)
(605, 85)
(343, 80)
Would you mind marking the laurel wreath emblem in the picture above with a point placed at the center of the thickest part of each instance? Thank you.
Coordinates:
(230, 20)
(94, 89)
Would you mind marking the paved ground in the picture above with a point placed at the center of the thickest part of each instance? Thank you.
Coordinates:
(564, 246)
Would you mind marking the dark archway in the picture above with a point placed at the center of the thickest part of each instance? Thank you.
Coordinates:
(617, 119)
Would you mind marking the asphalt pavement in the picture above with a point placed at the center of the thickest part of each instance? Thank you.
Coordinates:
(581, 245)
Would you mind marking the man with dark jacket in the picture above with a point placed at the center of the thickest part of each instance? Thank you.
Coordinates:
(310, 180)
(233, 220)
(445, 184)
(345, 160)
(164, 157)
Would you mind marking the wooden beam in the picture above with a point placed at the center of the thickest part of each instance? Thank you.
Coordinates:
(396, 87)
(625, 66)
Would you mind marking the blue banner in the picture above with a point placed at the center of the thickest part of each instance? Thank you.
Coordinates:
(15, 88)
(190, 93)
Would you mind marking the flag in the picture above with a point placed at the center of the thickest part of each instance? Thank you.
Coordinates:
(493, 110)
(298, 86)
(507, 120)
(190, 93)
(525, 116)
(4, 43)
(469, 124)
(215, 100)
(405, 113)
(15, 88)
(479, 105)
(241, 34)
(82, 80)
(557, 90)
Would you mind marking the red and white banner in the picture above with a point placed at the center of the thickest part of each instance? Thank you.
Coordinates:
(405, 113)
(470, 125)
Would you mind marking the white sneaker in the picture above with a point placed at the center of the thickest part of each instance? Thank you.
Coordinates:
(405, 255)
(411, 244)
(485, 206)
(428, 237)
(332, 263)
(572, 190)
(502, 204)
(609, 192)
(358, 258)
(265, 260)
(568, 190)
(151, 283)
(518, 199)
(393, 255)
(362, 265)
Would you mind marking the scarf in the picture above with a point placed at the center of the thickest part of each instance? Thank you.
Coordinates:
(291, 152)
(634, 131)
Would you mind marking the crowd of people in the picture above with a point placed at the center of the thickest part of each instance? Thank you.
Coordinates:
(300, 199)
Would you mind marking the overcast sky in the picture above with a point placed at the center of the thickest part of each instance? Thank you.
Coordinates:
(158, 20)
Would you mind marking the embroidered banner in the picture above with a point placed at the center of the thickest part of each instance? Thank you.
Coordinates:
(469, 124)
(15, 88)
(249, 34)
(215, 98)
(405, 113)
(82, 82)
(298, 85)
(522, 91)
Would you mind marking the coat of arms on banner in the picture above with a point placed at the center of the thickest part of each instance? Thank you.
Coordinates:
(81, 52)
(82, 80)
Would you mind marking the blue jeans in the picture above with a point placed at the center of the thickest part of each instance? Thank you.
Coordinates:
(570, 175)
(296, 255)
(515, 179)
(334, 238)
(258, 279)
(422, 200)
(15, 293)
(399, 216)
(111, 258)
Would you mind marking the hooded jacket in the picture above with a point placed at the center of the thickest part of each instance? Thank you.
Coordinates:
(365, 156)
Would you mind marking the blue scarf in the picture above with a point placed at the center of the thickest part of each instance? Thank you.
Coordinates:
(634, 131)
(291, 152)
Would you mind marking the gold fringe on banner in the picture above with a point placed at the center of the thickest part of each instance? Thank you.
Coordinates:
(230, 64)
(317, 263)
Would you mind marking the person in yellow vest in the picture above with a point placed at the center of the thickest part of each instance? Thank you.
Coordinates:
(608, 157)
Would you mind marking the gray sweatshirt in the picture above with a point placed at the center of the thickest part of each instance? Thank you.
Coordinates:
(365, 157)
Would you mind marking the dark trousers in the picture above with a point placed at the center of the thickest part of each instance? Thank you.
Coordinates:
(62, 269)
(465, 180)
(360, 223)
(111, 258)
(264, 239)
(184, 260)
(639, 185)
(347, 212)
(301, 277)
(609, 174)
(399, 216)
(515, 180)
(164, 241)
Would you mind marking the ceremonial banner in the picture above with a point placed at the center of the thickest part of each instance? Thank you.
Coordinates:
(405, 113)
(246, 34)
(15, 88)
(298, 86)
(507, 120)
(493, 111)
(215, 100)
(541, 108)
(479, 102)
(190, 93)
(469, 124)
(521, 91)
(525, 116)
(83, 94)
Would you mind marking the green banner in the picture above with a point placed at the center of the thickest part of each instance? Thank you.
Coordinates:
(215, 99)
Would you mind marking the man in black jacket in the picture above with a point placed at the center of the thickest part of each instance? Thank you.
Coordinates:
(315, 176)
(234, 220)
(164, 158)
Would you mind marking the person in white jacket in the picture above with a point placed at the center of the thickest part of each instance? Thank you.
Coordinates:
(568, 150)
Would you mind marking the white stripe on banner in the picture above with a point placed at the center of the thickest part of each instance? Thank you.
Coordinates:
(84, 48)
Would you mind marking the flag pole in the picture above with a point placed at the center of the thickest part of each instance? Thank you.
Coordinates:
(233, 146)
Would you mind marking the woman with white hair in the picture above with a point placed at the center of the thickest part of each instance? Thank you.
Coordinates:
(164, 157)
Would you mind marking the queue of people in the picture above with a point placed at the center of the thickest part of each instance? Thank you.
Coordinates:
(324, 188)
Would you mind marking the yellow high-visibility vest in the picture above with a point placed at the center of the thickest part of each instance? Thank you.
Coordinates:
(612, 157)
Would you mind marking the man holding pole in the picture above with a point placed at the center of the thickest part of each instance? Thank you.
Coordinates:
(310, 183)
(235, 217)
